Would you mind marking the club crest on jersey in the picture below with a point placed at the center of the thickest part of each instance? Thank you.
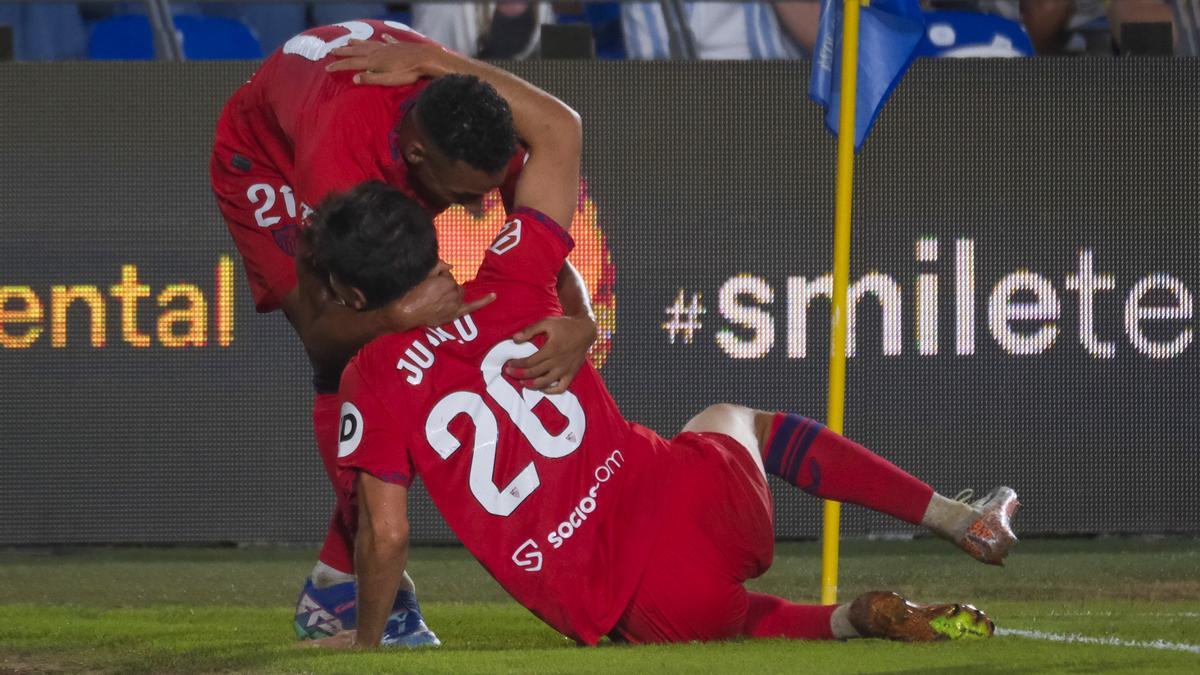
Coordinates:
(509, 237)
(350, 430)
(285, 239)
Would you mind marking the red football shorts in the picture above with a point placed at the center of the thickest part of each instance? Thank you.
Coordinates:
(717, 531)
(260, 209)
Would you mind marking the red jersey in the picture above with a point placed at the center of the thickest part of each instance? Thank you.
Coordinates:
(556, 495)
(325, 133)
(296, 133)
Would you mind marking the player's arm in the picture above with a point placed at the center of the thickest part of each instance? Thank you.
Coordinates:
(380, 553)
(329, 159)
(538, 117)
(332, 333)
(549, 183)
(549, 128)
(552, 133)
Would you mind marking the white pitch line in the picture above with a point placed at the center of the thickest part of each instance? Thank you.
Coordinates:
(1185, 615)
(1085, 639)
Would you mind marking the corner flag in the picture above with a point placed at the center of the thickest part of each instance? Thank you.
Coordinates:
(889, 31)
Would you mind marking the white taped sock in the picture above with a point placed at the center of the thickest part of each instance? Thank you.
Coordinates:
(324, 576)
(406, 583)
(948, 518)
(839, 623)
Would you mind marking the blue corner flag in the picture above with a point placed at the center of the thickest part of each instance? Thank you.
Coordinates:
(889, 31)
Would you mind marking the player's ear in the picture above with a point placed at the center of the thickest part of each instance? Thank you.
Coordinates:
(442, 267)
(414, 152)
(346, 294)
(357, 300)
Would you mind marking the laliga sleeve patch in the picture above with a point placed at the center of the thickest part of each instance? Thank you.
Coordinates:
(350, 430)
(509, 237)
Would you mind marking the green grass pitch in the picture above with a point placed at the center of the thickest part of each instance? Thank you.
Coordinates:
(229, 610)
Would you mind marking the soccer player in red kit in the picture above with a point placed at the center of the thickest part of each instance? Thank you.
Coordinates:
(595, 524)
(297, 132)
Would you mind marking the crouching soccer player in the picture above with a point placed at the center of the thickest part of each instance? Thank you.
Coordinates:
(546, 490)
(300, 130)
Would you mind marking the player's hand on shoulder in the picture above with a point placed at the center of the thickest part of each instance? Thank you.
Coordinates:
(435, 301)
(554, 366)
(391, 63)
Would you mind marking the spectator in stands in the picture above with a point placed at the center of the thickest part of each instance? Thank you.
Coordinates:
(501, 30)
(509, 29)
(1121, 12)
(725, 30)
(275, 23)
(800, 18)
(1057, 26)
(272, 22)
(1050, 23)
(45, 31)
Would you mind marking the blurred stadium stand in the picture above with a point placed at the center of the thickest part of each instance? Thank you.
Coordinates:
(216, 29)
(201, 37)
(46, 31)
(224, 29)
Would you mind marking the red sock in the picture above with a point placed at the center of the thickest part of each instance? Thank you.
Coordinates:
(338, 549)
(831, 466)
(772, 617)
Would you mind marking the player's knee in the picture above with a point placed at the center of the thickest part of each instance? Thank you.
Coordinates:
(721, 418)
(726, 410)
(735, 421)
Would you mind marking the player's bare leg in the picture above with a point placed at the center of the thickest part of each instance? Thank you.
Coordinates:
(828, 465)
(738, 422)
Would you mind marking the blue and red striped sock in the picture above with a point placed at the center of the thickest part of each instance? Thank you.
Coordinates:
(806, 454)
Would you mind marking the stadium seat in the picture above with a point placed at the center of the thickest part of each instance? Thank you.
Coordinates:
(122, 38)
(129, 38)
(605, 20)
(210, 37)
(966, 34)
(606, 26)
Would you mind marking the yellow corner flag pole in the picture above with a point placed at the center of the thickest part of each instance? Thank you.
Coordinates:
(841, 281)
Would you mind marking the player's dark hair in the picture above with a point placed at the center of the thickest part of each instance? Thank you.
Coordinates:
(468, 120)
(374, 239)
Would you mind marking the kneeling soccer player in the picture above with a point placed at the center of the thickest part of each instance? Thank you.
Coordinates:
(595, 524)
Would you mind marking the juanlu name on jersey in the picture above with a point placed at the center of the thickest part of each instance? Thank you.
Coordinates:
(420, 356)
